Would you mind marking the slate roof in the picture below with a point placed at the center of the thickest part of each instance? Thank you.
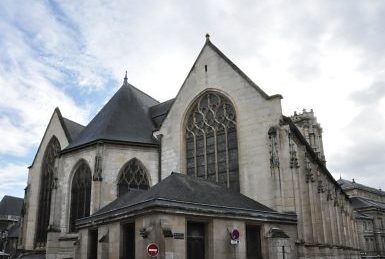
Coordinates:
(361, 203)
(73, 128)
(180, 191)
(125, 118)
(10, 205)
(349, 185)
(160, 111)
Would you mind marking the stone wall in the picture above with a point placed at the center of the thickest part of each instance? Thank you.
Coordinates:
(54, 128)
(104, 189)
(217, 238)
(255, 115)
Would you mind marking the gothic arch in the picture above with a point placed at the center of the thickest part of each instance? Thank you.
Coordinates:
(133, 175)
(47, 182)
(80, 194)
(210, 138)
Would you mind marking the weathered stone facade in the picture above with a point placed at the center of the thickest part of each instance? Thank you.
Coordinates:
(281, 164)
(369, 207)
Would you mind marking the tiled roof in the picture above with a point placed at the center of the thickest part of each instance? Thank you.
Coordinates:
(125, 118)
(348, 185)
(73, 128)
(159, 112)
(10, 205)
(187, 193)
(360, 203)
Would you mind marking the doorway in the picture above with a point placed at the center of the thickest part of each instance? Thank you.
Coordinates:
(128, 241)
(253, 242)
(195, 240)
(93, 244)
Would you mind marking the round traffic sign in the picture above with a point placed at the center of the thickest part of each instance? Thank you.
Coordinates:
(235, 234)
(152, 250)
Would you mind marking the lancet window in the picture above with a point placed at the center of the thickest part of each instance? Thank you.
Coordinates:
(133, 176)
(46, 185)
(211, 140)
(80, 194)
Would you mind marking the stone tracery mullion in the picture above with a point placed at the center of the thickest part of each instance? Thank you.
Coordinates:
(133, 177)
(212, 114)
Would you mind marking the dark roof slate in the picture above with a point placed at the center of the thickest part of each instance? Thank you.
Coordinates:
(186, 189)
(125, 118)
(348, 185)
(360, 203)
(10, 205)
(73, 128)
(160, 111)
(181, 192)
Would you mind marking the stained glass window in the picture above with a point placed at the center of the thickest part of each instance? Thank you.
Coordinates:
(133, 176)
(46, 184)
(211, 140)
(80, 194)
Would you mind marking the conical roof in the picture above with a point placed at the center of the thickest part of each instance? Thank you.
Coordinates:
(124, 119)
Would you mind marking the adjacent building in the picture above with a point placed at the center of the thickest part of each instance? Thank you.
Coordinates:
(10, 212)
(216, 172)
(369, 206)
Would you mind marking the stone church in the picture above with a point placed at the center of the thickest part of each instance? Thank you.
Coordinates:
(216, 172)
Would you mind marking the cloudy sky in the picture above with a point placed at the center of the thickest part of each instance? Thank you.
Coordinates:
(326, 55)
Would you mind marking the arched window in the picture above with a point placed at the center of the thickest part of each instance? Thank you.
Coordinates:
(80, 194)
(211, 140)
(46, 184)
(133, 176)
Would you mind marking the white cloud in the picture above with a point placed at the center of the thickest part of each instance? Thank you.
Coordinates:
(314, 53)
(14, 179)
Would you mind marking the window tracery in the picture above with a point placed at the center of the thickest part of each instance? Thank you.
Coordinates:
(80, 194)
(46, 186)
(211, 140)
(133, 176)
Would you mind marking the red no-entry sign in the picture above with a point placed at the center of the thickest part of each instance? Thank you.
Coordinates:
(152, 250)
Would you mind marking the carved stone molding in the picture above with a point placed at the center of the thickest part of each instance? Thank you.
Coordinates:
(273, 148)
(98, 168)
(293, 153)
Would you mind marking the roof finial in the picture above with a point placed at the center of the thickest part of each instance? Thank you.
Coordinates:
(207, 37)
(125, 82)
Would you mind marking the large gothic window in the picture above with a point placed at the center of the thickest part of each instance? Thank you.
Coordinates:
(46, 185)
(211, 140)
(133, 176)
(80, 194)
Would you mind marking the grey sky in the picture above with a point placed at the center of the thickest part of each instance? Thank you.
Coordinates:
(326, 55)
